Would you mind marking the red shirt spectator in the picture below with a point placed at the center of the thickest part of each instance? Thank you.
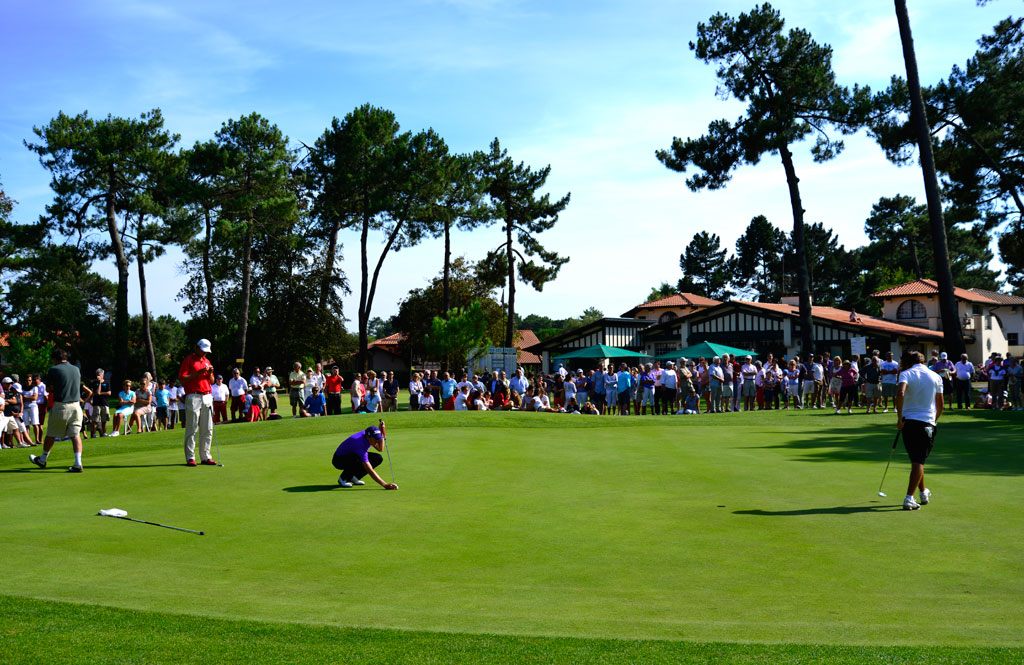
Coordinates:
(334, 384)
(200, 383)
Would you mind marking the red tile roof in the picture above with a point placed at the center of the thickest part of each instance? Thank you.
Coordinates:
(928, 287)
(1001, 298)
(389, 343)
(525, 339)
(843, 316)
(675, 300)
(5, 339)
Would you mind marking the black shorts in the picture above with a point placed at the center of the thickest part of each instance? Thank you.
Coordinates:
(161, 413)
(848, 393)
(918, 439)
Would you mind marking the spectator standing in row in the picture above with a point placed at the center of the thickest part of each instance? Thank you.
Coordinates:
(100, 403)
(728, 379)
(946, 370)
(716, 378)
(162, 397)
(749, 372)
(518, 382)
(962, 381)
(872, 377)
(355, 393)
(239, 389)
(257, 382)
(333, 390)
(647, 390)
(847, 385)
(296, 385)
(220, 393)
(319, 380)
(997, 383)
(415, 390)
(389, 400)
(1014, 377)
(30, 410)
(890, 372)
(66, 420)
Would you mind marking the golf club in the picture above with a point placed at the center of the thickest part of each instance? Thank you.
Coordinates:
(122, 515)
(216, 445)
(385, 437)
(895, 441)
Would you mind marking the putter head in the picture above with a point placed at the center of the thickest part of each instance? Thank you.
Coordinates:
(882, 494)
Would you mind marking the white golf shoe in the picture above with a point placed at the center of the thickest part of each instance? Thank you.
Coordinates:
(910, 504)
(343, 482)
(926, 497)
(355, 481)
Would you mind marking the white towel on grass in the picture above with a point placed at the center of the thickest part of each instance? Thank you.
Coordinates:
(114, 512)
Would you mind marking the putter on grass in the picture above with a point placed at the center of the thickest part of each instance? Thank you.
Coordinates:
(385, 437)
(894, 442)
(123, 515)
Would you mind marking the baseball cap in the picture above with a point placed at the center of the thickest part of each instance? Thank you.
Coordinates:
(8, 379)
(943, 356)
(220, 376)
(204, 345)
(373, 431)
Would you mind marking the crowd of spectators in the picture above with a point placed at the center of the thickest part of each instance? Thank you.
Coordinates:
(705, 385)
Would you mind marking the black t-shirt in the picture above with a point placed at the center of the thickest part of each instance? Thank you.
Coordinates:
(98, 387)
(14, 406)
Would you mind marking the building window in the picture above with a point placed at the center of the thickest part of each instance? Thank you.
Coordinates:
(911, 309)
(1012, 338)
(976, 309)
(667, 316)
(988, 322)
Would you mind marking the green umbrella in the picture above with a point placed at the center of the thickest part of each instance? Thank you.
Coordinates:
(706, 349)
(601, 351)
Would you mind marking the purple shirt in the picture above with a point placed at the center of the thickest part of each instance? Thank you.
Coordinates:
(848, 376)
(357, 444)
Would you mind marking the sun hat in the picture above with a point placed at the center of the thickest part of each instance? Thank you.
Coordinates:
(204, 345)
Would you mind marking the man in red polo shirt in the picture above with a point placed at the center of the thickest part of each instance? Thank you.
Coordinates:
(333, 390)
(196, 375)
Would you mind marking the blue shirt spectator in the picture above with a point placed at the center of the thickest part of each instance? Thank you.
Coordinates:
(314, 404)
(518, 382)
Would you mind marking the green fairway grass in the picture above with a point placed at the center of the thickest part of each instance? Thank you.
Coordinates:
(724, 538)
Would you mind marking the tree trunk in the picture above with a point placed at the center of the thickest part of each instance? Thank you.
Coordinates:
(147, 336)
(915, 262)
(207, 277)
(446, 277)
(511, 319)
(121, 311)
(243, 318)
(953, 339)
(361, 359)
(332, 250)
(800, 251)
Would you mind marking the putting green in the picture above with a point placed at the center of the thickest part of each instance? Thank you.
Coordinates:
(735, 528)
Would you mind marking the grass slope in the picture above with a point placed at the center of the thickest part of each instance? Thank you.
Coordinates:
(34, 631)
(746, 528)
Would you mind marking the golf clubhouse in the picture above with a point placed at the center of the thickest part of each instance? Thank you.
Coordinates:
(760, 327)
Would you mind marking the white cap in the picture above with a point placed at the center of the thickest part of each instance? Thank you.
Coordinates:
(204, 345)
(942, 356)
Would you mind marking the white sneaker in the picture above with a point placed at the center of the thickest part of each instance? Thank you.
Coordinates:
(116, 434)
(926, 497)
(836, 413)
(849, 411)
(910, 504)
(885, 410)
(356, 481)
(343, 482)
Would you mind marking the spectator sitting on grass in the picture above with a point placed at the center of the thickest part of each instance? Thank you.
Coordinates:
(691, 405)
(252, 406)
(427, 401)
(514, 403)
(590, 409)
(314, 405)
(573, 406)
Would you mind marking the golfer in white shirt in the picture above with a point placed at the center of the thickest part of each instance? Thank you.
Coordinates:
(919, 406)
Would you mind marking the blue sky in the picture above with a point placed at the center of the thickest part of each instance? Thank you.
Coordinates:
(591, 88)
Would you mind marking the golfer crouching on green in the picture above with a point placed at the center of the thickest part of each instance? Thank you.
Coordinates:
(354, 460)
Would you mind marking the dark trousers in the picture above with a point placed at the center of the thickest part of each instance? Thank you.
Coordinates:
(963, 393)
(334, 404)
(667, 400)
(659, 397)
(352, 465)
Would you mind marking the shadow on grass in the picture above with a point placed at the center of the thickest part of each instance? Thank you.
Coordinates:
(328, 488)
(835, 510)
(983, 442)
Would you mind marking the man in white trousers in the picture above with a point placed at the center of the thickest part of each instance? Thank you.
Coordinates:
(196, 375)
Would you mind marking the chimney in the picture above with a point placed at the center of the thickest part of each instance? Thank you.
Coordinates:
(793, 300)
